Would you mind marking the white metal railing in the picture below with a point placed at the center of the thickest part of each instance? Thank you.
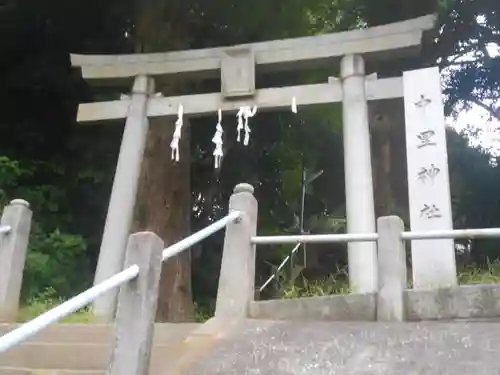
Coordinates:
(366, 237)
(200, 235)
(315, 238)
(453, 233)
(5, 229)
(52, 316)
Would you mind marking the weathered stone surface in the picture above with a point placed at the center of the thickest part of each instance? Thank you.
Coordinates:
(137, 304)
(13, 248)
(164, 333)
(360, 207)
(466, 301)
(279, 348)
(433, 260)
(237, 272)
(391, 270)
(123, 196)
(351, 307)
(237, 72)
(265, 99)
(391, 41)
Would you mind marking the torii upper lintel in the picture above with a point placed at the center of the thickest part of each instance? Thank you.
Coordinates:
(386, 42)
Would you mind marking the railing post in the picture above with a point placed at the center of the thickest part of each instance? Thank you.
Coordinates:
(391, 270)
(137, 302)
(13, 247)
(237, 274)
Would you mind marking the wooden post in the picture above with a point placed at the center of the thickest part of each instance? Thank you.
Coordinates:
(123, 195)
(360, 207)
(237, 274)
(391, 270)
(137, 304)
(13, 247)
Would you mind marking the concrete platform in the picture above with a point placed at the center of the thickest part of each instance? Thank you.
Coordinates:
(323, 348)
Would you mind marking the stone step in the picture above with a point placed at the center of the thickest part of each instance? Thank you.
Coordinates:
(165, 333)
(77, 356)
(30, 371)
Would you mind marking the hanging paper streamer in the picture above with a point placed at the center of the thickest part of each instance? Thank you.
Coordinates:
(243, 115)
(248, 113)
(174, 145)
(294, 105)
(217, 140)
(240, 126)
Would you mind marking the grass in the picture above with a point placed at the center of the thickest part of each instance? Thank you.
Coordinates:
(473, 276)
(317, 288)
(304, 288)
(338, 285)
(38, 306)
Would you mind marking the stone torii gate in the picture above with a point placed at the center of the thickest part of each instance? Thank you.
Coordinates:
(237, 67)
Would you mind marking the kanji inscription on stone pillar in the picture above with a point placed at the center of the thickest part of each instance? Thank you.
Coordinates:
(433, 261)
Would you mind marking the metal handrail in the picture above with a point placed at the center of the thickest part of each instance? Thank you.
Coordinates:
(453, 233)
(81, 300)
(52, 316)
(366, 237)
(315, 238)
(200, 235)
(5, 229)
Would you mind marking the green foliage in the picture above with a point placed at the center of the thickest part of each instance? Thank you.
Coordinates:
(204, 312)
(47, 300)
(317, 288)
(470, 274)
(468, 48)
(55, 259)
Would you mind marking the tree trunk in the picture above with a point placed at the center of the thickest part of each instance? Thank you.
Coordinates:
(164, 207)
(390, 172)
(387, 123)
(164, 196)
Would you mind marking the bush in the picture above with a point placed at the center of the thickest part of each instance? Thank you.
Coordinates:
(56, 260)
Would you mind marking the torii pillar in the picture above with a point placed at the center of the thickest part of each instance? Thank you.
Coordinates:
(123, 194)
(360, 207)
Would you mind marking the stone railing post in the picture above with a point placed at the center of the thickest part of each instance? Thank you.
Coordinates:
(391, 270)
(237, 274)
(13, 248)
(137, 302)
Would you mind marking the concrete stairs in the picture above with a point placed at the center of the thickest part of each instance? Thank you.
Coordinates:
(277, 347)
(68, 349)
